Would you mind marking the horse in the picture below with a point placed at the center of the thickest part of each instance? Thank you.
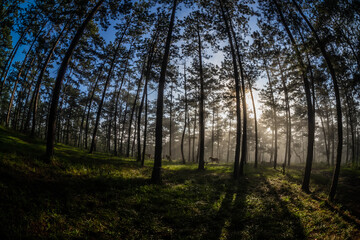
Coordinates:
(212, 159)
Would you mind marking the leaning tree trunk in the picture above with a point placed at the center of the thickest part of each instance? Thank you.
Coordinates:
(21, 95)
(59, 79)
(112, 65)
(256, 129)
(89, 107)
(141, 154)
(18, 77)
(39, 80)
(156, 173)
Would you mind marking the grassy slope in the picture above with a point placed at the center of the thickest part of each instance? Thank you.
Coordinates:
(98, 196)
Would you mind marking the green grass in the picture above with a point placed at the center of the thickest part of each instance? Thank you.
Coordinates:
(99, 196)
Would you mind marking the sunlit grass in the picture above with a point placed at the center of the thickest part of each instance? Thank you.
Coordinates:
(99, 196)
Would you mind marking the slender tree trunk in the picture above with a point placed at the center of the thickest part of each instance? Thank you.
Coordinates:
(123, 126)
(135, 127)
(189, 137)
(156, 173)
(185, 120)
(310, 113)
(89, 107)
(59, 80)
(39, 80)
(201, 109)
(20, 95)
(93, 141)
(132, 114)
(244, 135)
(212, 131)
(170, 127)
(331, 69)
(288, 116)
(256, 129)
(145, 126)
(237, 91)
(229, 138)
(116, 108)
(274, 108)
(18, 77)
(194, 136)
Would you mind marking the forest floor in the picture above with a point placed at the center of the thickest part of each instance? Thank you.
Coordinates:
(98, 196)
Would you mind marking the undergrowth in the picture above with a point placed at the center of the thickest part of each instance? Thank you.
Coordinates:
(98, 196)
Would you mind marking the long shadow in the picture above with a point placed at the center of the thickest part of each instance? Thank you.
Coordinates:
(217, 227)
(259, 213)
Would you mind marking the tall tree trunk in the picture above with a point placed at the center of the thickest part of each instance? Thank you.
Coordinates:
(237, 91)
(123, 126)
(145, 126)
(229, 138)
(58, 83)
(331, 69)
(185, 120)
(194, 137)
(212, 131)
(256, 129)
(132, 113)
(310, 113)
(89, 107)
(274, 108)
(287, 158)
(156, 173)
(116, 108)
(135, 127)
(39, 80)
(201, 108)
(170, 127)
(98, 115)
(244, 135)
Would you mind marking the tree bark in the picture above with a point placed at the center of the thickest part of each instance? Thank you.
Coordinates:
(201, 108)
(237, 90)
(39, 80)
(58, 83)
(156, 173)
(112, 65)
(310, 113)
(185, 120)
(331, 69)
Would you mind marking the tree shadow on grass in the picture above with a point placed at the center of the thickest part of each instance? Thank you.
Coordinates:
(260, 213)
(37, 206)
